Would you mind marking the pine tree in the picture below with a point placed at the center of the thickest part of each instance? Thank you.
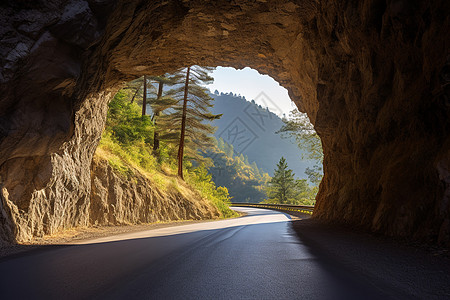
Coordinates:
(137, 88)
(221, 144)
(144, 97)
(228, 149)
(282, 187)
(159, 103)
(156, 113)
(185, 123)
(256, 169)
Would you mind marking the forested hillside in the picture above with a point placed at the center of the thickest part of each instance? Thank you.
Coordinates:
(129, 140)
(251, 130)
(166, 130)
(245, 182)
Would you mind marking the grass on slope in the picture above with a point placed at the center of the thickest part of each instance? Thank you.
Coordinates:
(138, 156)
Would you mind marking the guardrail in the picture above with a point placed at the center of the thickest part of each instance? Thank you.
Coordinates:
(306, 209)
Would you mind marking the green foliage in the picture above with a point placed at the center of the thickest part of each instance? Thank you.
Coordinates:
(282, 185)
(228, 149)
(299, 127)
(245, 182)
(125, 122)
(285, 189)
(198, 130)
(138, 154)
(201, 180)
(127, 143)
(314, 174)
(118, 165)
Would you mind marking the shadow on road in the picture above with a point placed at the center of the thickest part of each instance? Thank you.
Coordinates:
(401, 271)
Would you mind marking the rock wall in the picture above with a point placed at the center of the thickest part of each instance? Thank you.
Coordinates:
(46, 130)
(372, 75)
(118, 199)
(384, 117)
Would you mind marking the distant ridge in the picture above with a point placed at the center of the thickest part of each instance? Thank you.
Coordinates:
(251, 129)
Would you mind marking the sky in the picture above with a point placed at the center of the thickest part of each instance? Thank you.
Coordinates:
(253, 85)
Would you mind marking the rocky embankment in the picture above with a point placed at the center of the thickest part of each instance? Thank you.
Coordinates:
(117, 198)
(133, 198)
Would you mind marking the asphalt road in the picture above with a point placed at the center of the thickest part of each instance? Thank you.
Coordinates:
(258, 256)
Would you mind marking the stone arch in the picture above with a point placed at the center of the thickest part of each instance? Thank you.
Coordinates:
(371, 76)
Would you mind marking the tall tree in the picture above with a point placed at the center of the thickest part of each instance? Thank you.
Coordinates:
(155, 117)
(138, 86)
(135, 86)
(282, 186)
(144, 97)
(160, 103)
(185, 123)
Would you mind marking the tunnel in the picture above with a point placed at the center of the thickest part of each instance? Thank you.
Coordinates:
(373, 77)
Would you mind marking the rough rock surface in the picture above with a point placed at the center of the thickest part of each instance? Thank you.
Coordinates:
(373, 76)
(117, 199)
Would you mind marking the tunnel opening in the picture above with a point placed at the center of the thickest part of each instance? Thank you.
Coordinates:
(230, 156)
(375, 89)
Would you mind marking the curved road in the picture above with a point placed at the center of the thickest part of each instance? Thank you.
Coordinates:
(254, 257)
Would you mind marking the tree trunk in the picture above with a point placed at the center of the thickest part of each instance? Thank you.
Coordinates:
(144, 97)
(134, 96)
(183, 126)
(156, 134)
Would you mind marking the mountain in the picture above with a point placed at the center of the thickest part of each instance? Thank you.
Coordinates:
(251, 129)
(245, 182)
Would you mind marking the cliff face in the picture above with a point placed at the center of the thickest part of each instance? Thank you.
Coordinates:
(372, 75)
(133, 198)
